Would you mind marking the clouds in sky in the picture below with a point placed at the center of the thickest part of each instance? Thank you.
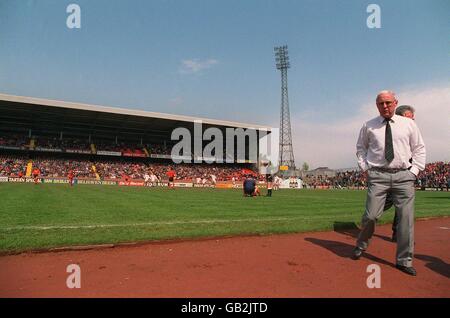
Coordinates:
(192, 66)
(333, 144)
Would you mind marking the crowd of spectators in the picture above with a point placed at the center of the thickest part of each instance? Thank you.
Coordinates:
(12, 166)
(158, 149)
(57, 143)
(106, 145)
(436, 175)
(75, 144)
(47, 142)
(14, 141)
(83, 145)
(57, 168)
(188, 172)
(119, 169)
(346, 179)
(62, 144)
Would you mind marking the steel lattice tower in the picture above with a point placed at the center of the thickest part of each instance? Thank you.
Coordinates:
(286, 153)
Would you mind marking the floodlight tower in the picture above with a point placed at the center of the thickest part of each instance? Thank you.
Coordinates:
(286, 153)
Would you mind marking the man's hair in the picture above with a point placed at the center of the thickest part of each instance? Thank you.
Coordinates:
(386, 92)
(403, 109)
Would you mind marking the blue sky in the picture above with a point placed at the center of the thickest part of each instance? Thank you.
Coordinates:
(214, 58)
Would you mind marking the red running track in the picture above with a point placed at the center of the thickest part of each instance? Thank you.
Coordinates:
(294, 265)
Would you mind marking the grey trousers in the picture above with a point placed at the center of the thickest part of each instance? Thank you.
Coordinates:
(389, 203)
(401, 187)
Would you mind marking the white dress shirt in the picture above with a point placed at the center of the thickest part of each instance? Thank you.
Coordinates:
(406, 139)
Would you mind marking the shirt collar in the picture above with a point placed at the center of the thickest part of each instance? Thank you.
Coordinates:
(382, 119)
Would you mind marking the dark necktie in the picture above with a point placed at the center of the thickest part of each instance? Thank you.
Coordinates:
(388, 147)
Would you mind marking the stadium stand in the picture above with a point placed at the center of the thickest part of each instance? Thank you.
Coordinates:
(14, 140)
(118, 169)
(102, 143)
(12, 166)
(436, 175)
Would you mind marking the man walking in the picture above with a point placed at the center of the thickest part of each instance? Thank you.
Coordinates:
(384, 147)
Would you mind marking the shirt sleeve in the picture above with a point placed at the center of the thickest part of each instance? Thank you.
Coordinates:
(362, 146)
(418, 151)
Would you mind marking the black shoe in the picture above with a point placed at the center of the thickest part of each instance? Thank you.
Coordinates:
(394, 237)
(357, 252)
(408, 270)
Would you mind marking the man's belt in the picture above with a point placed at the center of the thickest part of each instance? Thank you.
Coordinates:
(388, 170)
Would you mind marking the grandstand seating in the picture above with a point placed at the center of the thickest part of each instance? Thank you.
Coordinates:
(77, 145)
(435, 175)
(116, 169)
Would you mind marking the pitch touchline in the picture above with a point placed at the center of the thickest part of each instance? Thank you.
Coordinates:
(43, 228)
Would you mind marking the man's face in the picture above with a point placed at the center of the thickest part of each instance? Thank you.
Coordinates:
(386, 104)
(408, 114)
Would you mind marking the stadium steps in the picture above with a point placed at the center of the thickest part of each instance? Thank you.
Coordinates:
(29, 169)
(97, 176)
(146, 152)
(93, 150)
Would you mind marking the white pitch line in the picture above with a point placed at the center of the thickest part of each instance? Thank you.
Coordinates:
(444, 228)
(56, 227)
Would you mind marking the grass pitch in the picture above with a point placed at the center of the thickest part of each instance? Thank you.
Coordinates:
(53, 215)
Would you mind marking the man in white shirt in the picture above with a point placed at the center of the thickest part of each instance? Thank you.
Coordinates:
(385, 145)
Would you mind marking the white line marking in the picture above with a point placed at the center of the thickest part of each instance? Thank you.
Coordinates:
(444, 228)
(56, 227)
